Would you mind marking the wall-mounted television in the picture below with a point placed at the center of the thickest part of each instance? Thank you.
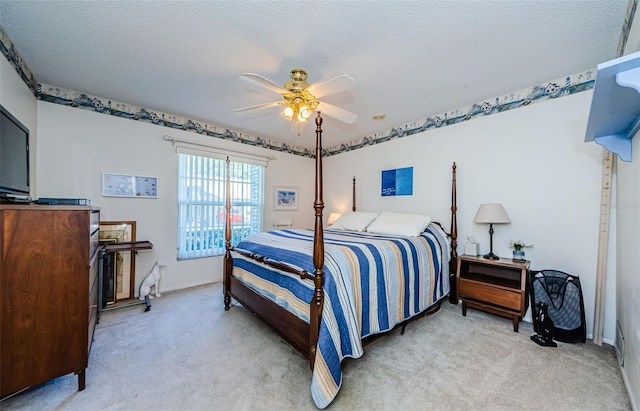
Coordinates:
(14, 156)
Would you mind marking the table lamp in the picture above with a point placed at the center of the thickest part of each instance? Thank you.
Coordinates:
(491, 213)
(333, 217)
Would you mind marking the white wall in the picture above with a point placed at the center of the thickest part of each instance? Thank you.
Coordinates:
(533, 160)
(77, 146)
(628, 258)
(16, 97)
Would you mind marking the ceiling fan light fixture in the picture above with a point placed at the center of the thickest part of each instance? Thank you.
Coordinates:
(301, 119)
(299, 107)
(300, 97)
(287, 113)
(305, 111)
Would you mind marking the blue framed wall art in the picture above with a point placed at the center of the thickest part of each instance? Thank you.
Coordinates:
(397, 182)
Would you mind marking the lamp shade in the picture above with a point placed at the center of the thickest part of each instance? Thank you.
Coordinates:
(333, 217)
(491, 213)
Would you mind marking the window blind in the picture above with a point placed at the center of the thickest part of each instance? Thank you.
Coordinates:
(201, 203)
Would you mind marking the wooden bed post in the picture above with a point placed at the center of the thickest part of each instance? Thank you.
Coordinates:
(315, 314)
(353, 208)
(228, 261)
(453, 262)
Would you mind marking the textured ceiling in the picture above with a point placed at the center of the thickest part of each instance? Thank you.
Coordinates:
(409, 59)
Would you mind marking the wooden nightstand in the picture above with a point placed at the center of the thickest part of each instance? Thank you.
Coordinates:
(495, 286)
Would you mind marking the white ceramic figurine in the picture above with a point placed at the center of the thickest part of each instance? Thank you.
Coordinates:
(151, 280)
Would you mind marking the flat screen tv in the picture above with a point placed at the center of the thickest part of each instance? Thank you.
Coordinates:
(14, 156)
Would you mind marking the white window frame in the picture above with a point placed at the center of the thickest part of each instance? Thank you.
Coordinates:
(201, 211)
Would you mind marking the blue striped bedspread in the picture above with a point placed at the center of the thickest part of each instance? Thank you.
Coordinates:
(372, 282)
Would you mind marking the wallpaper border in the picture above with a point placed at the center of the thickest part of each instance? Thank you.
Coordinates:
(58, 95)
(14, 58)
(572, 84)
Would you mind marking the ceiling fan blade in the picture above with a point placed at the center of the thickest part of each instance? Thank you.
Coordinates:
(263, 82)
(337, 113)
(259, 106)
(333, 86)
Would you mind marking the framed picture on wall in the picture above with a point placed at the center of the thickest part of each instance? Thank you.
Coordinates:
(397, 182)
(117, 185)
(122, 185)
(285, 198)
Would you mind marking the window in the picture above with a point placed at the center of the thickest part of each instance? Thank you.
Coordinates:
(201, 203)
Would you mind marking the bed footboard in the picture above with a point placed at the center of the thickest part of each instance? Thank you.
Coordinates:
(303, 336)
(291, 328)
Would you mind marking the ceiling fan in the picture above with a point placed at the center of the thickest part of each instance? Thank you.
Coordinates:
(301, 98)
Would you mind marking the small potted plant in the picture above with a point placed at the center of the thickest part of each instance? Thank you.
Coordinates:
(518, 249)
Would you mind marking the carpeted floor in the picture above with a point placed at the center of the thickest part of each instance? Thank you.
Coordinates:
(187, 353)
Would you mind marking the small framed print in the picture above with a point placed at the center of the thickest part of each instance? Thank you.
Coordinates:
(397, 182)
(121, 185)
(117, 185)
(285, 198)
(146, 187)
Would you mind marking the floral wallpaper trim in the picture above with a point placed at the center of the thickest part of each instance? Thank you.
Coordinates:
(53, 94)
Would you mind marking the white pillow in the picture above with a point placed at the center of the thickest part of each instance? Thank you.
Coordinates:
(354, 220)
(399, 224)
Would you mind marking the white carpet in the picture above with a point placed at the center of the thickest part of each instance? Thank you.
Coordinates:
(187, 353)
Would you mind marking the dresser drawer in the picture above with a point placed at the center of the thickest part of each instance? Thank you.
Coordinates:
(93, 308)
(93, 317)
(94, 232)
(94, 223)
(93, 271)
(488, 293)
(94, 242)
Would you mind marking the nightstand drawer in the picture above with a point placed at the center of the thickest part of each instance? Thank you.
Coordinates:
(488, 293)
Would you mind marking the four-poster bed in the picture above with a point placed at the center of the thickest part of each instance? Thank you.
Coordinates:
(328, 294)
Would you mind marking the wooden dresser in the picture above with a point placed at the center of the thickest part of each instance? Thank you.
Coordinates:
(48, 292)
